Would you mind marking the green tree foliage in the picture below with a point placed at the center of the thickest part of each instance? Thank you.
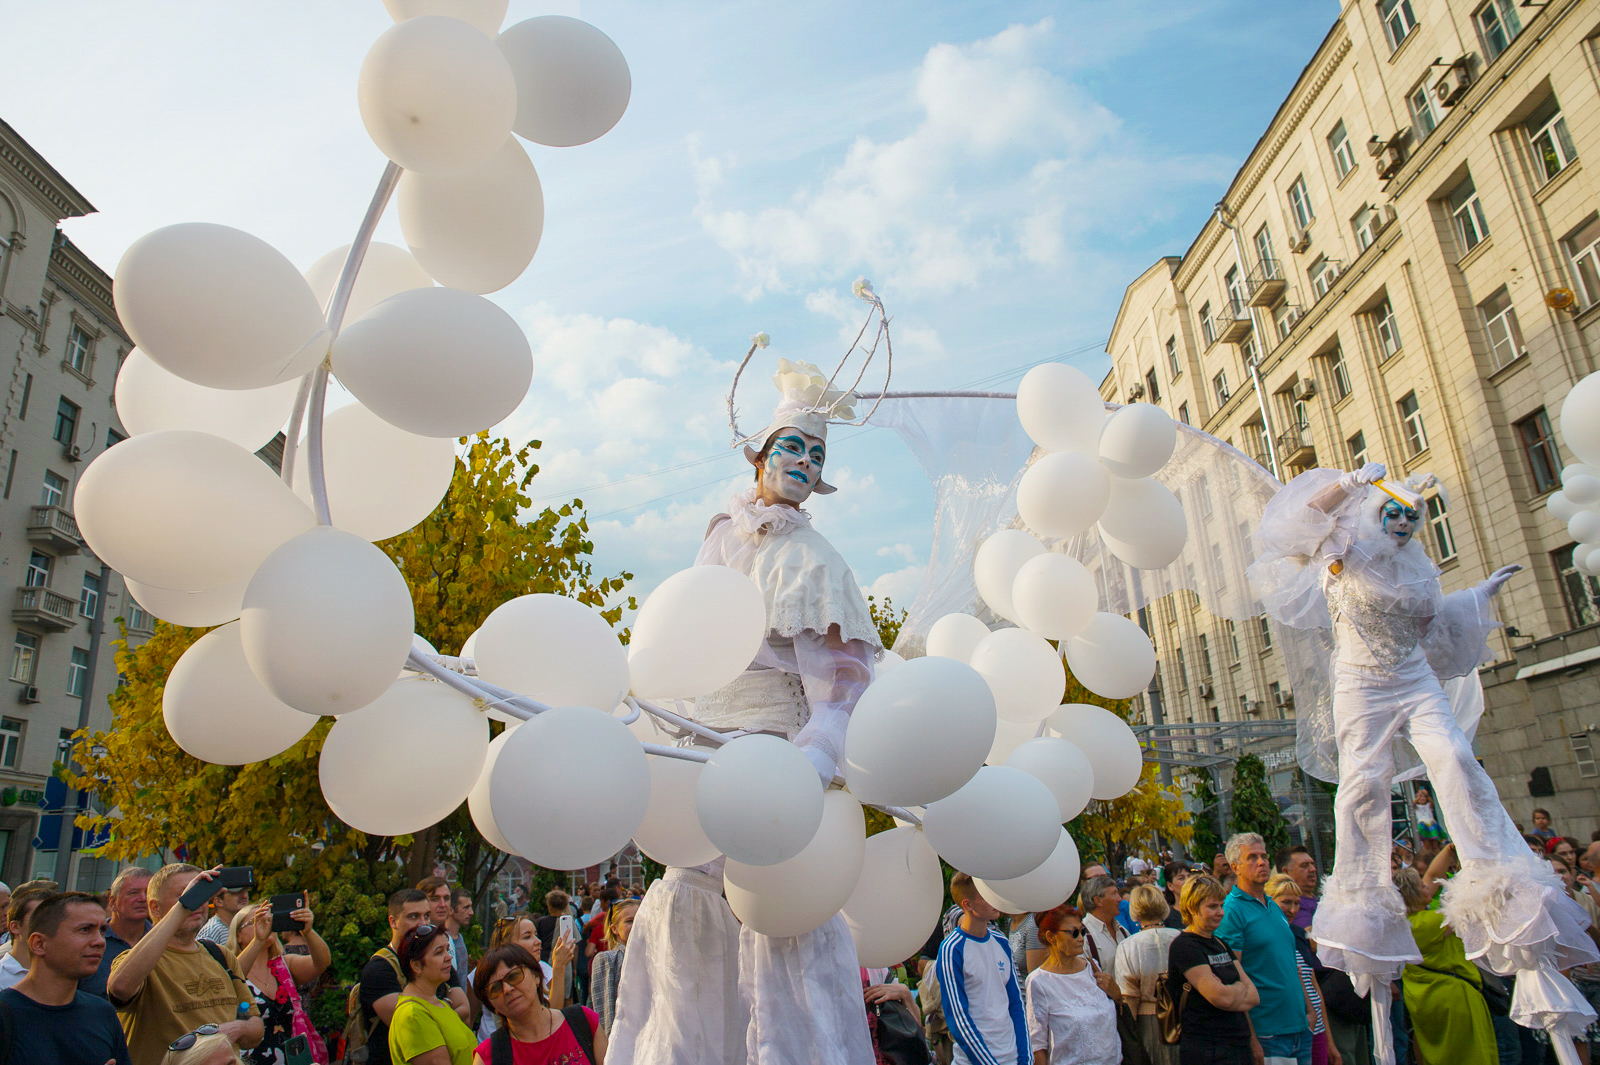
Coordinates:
(1254, 808)
(887, 618)
(1206, 841)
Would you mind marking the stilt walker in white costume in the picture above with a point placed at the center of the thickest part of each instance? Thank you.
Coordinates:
(696, 988)
(1338, 550)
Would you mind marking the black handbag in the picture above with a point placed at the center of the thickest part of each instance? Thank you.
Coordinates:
(898, 1034)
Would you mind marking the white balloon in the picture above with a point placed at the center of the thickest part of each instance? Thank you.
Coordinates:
(696, 633)
(404, 761)
(919, 733)
(1109, 744)
(1008, 736)
(994, 568)
(150, 398)
(436, 95)
(670, 832)
(327, 622)
(476, 231)
(1575, 469)
(1560, 507)
(956, 635)
(381, 480)
(219, 307)
(1580, 419)
(886, 661)
(1593, 557)
(1138, 440)
(1583, 489)
(759, 800)
(217, 711)
(478, 801)
(185, 510)
(570, 788)
(385, 271)
(1040, 889)
(435, 361)
(1024, 672)
(1061, 409)
(1143, 523)
(1055, 596)
(483, 15)
(898, 898)
(1580, 557)
(1112, 657)
(553, 649)
(1063, 494)
(1000, 825)
(1584, 526)
(795, 896)
(1063, 767)
(203, 609)
(423, 647)
(572, 81)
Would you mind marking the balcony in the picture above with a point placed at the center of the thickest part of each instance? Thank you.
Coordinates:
(44, 609)
(1295, 448)
(1233, 322)
(1267, 283)
(54, 528)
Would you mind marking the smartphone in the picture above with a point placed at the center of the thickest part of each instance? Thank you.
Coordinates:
(199, 893)
(567, 925)
(297, 1051)
(237, 877)
(283, 906)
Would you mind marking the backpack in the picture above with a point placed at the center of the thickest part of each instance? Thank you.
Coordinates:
(357, 1029)
(500, 1041)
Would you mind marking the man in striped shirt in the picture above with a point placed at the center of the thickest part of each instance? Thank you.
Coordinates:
(982, 1003)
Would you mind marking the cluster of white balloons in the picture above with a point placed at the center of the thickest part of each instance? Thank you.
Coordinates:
(1578, 501)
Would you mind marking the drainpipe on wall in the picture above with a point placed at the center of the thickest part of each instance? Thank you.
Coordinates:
(68, 875)
(1254, 365)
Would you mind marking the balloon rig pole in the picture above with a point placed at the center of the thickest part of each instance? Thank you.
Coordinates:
(319, 480)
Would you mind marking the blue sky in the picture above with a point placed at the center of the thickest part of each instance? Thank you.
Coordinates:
(1000, 171)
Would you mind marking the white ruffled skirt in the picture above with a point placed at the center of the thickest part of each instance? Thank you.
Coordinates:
(804, 995)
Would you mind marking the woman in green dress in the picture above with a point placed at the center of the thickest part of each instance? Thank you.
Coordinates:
(1444, 997)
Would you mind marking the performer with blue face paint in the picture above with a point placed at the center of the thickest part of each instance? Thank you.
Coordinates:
(1338, 550)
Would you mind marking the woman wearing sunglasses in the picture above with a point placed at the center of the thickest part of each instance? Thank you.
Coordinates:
(530, 1031)
(1072, 1005)
(425, 1031)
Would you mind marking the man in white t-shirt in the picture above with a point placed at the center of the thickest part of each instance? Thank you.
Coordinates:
(978, 986)
(14, 963)
(1101, 899)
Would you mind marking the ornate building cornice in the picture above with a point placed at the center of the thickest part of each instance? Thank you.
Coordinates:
(72, 269)
(40, 176)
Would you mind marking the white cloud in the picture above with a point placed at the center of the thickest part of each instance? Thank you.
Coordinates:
(901, 585)
(904, 551)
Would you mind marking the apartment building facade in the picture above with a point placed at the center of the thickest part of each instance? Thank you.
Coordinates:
(1406, 269)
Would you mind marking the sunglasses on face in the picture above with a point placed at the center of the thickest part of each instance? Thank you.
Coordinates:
(497, 988)
(189, 1039)
(1075, 933)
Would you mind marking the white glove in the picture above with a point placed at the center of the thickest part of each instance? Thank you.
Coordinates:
(1372, 471)
(1497, 579)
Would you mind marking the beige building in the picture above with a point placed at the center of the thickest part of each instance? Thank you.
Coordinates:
(1406, 270)
(60, 347)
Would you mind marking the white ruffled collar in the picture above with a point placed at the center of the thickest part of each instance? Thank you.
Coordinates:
(751, 517)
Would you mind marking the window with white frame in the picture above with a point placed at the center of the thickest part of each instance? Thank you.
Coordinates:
(1387, 329)
(1264, 250)
(1398, 21)
(1152, 385)
(1300, 202)
(1300, 415)
(77, 672)
(138, 620)
(24, 656)
(1324, 272)
(1364, 225)
(1498, 25)
(1338, 373)
(80, 346)
(1205, 656)
(89, 595)
(54, 491)
(1583, 754)
(1284, 315)
(1357, 446)
(1219, 572)
(1583, 250)
(1411, 418)
(1219, 387)
(1424, 117)
(1183, 673)
(1548, 137)
(1444, 539)
(1172, 358)
(1233, 281)
(1578, 588)
(1264, 631)
(1233, 640)
(38, 574)
(1500, 326)
(1208, 328)
(1467, 214)
(10, 742)
(1247, 349)
(1344, 159)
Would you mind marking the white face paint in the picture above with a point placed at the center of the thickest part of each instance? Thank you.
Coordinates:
(1387, 521)
(792, 467)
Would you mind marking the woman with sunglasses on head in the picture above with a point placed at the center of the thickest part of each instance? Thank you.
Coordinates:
(605, 971)
(425, 1031)
(205, 1045)
(1071, 1004)
(531, 1031)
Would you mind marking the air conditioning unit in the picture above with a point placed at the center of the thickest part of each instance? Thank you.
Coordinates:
(1393, 157)
(1284, 700)
(1305, 388)
(1454, 84)
(1375, 146)
(1252, 706)
(1203, 689)
(1300, 241)
(1290, 317)
(28, 694)
(1383, 218)
(73, 452)
(1136, 392)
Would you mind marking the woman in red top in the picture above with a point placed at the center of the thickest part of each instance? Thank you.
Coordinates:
(511, 985)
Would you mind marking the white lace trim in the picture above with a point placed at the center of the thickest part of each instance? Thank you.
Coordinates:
(808, 585)
(751, 517)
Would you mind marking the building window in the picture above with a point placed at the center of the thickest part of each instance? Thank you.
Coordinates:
(1183, 671)
(1439, 520)
(1205, 656)
(1233, 640)
(1419, 101)
(1577, 588)
(10, 742)
(1539, 445)
(1150, 383)
(1500, 325)
(1363, 225)
(1583, 754)
(1202, 493)
(1324, 272)
(1388, 331)
(1300, 202)
(1208, 328)
(1498, 25)
(1344, 159)
(1358, 450)
(38, 574)
(1233, 281)
(1219, 386)
(1548, 136)
(1183, 414)
(1583, 249)
(1284, 316)
(1300, 415)
(1411, 417)
(27, 394)
(77, 672)
(138, 620)
(114, 438)
(1338, 374)
(1219, 573)
(66, 421)
(54, 490)
(1470, 225)
(89, 597)
(79, 347)
(1264, 630)
(1247, 350)
(1398, 21)
(24, 654)
(1173, 365)
(1264, 251)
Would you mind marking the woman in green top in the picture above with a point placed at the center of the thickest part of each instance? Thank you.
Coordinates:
(1444, 996)
(425, 1031)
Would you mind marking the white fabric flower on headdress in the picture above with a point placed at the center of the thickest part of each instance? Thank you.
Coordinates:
(805, 387)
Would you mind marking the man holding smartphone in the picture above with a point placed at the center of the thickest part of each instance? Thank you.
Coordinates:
(170, 982)
(381, 982)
